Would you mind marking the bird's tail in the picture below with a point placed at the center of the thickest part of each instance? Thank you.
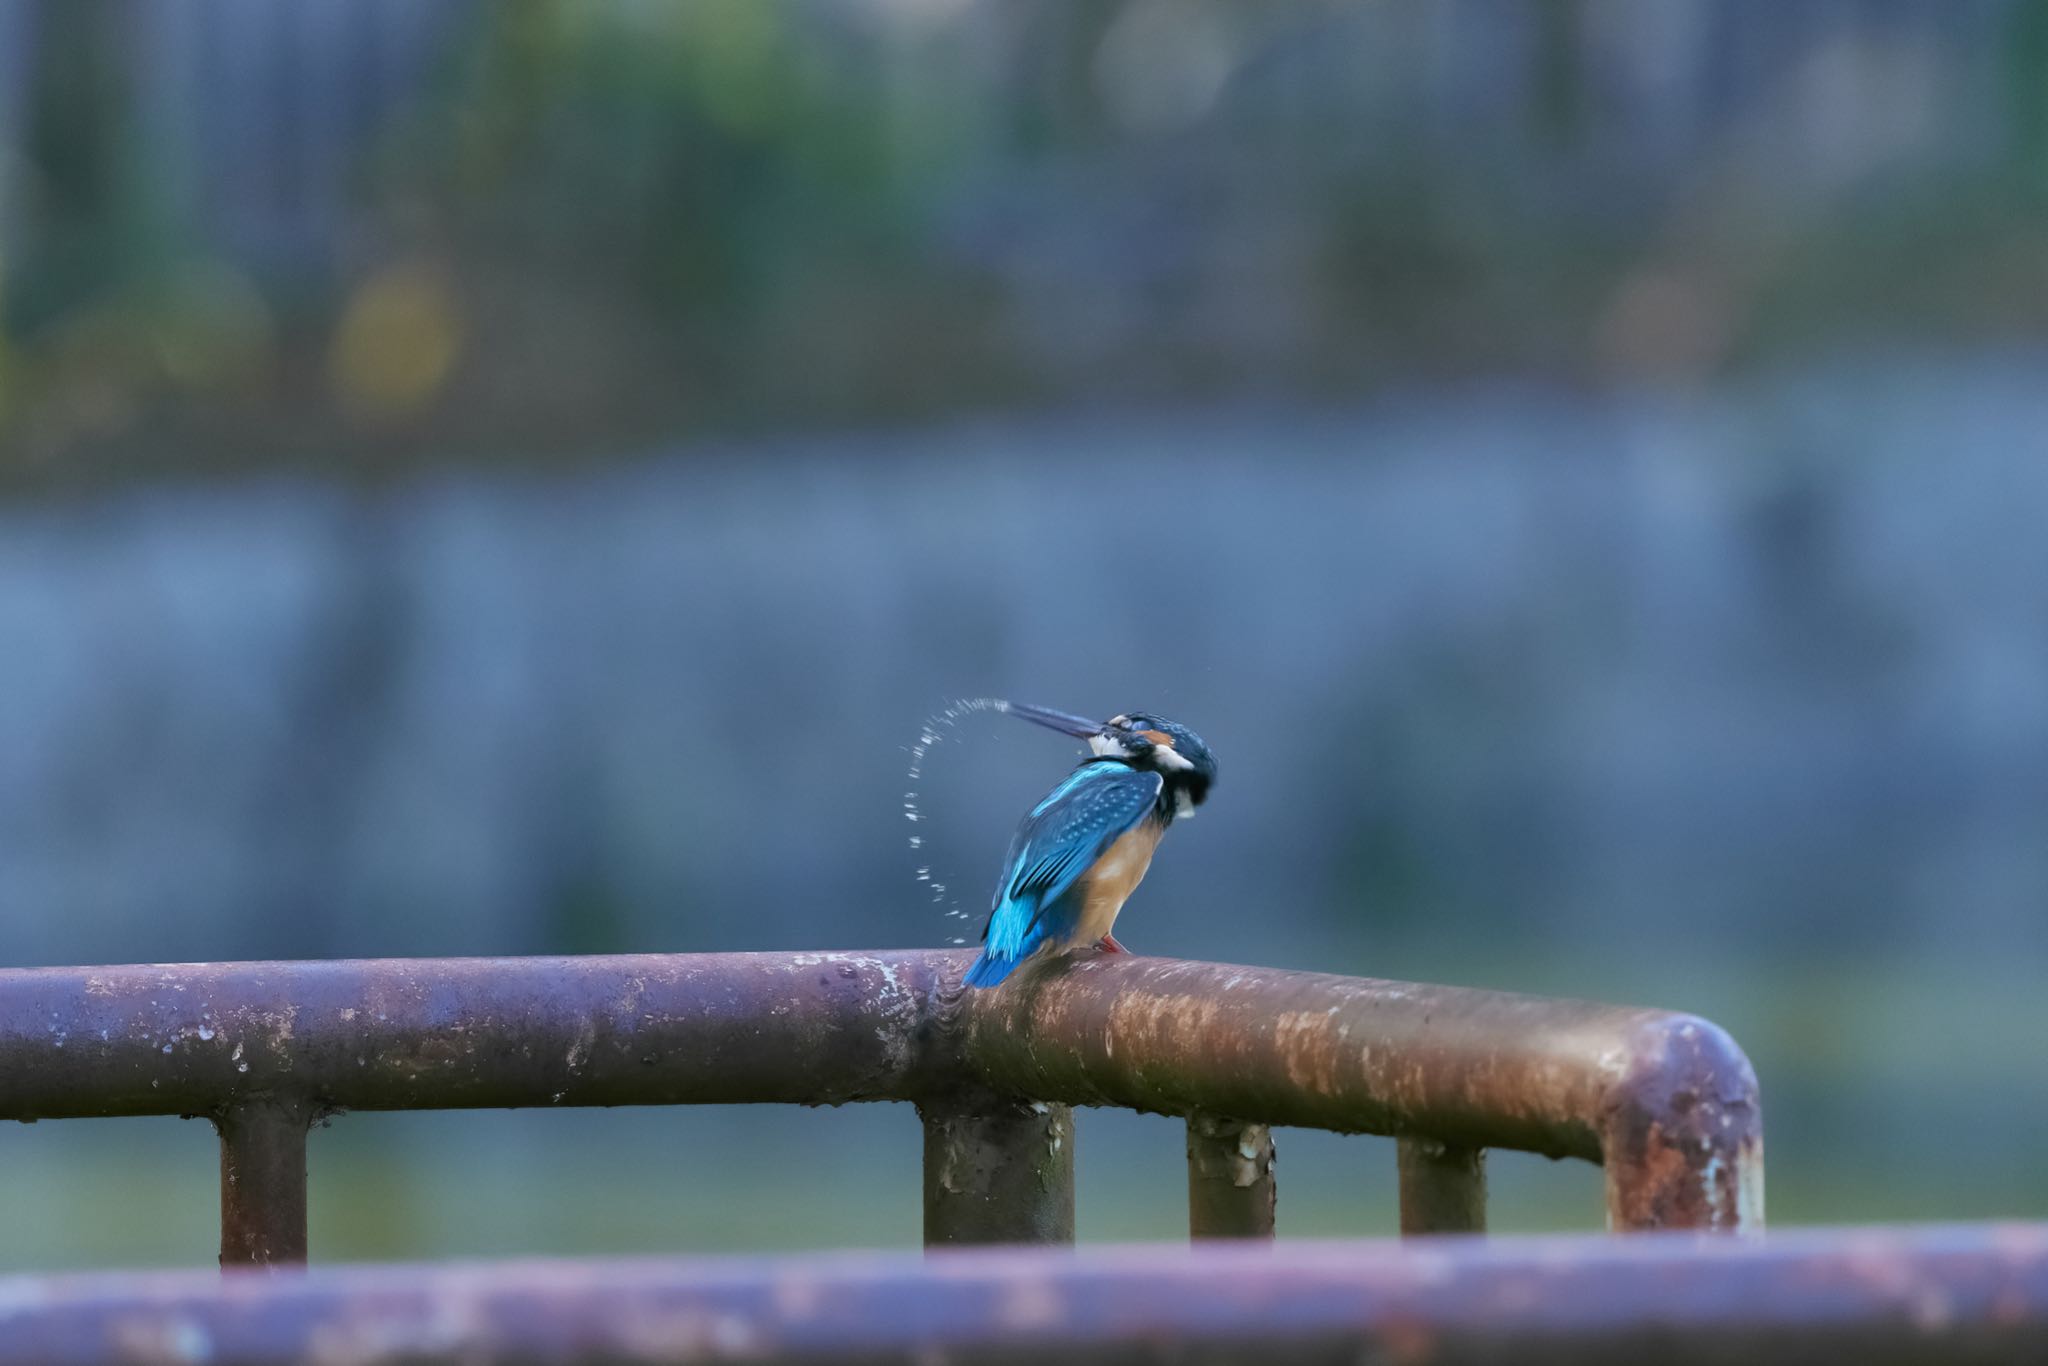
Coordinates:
(989, 970)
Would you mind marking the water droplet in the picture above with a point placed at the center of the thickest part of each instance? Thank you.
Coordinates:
(937, 728)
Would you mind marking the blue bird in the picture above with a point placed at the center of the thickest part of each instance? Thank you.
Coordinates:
(1082, 851)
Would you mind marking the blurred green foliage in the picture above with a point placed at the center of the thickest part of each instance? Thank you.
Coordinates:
(585, 226)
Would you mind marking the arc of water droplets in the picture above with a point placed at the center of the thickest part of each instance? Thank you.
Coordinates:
(935, 728)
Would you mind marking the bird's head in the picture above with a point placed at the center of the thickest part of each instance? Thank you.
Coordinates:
(1142, 740)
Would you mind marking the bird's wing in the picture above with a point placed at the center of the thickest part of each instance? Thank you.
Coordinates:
(1059, 841)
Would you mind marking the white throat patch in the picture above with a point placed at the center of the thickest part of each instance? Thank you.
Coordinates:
(1107, 747)
(1164, 757)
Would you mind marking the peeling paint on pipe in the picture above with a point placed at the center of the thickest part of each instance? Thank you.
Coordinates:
(1231, 1191)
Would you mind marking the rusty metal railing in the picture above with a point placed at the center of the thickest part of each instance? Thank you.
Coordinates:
(1940, 1296)
(1665, 1102)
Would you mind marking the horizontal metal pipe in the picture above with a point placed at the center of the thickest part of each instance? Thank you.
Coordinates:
(449, 1033)
(1668, 1099)
(1485, 1069)
(1954, 1296)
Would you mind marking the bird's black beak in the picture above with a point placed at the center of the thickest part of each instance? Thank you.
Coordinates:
(1063, 722)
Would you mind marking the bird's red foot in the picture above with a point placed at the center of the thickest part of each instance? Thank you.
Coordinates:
(1109, 944)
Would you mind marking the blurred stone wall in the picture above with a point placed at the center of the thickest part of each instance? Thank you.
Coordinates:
(1765, 671)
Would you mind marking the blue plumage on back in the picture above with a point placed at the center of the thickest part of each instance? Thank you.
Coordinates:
(1057, 843)
(1083, 850)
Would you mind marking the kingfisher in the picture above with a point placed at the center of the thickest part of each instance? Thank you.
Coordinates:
(1082, 851)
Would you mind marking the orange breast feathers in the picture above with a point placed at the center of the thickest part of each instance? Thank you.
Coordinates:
(1106, 886)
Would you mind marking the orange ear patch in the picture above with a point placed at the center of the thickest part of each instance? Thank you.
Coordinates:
(1158, 737)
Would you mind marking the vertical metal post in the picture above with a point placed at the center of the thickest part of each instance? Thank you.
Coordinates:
(1443, 1187)
(263, 1182)
(1230, 1179)
(998, 1171)
(1660, 1182)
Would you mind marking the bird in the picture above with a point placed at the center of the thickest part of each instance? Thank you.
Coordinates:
(1081, 852)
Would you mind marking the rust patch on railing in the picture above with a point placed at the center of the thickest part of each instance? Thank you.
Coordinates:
(1683, 1132)
(1667, 1101)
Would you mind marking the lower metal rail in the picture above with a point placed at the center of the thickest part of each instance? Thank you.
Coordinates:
(1953, 1296)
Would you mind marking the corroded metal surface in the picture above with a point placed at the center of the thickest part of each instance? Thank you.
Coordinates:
(1667, 1099)
(1443, 1187)
(997, 1171)
(447, 1033)
(1951, 1296)
(1682, 1138)
(1231, 1193)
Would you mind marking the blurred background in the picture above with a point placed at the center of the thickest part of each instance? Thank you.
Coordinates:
(515, 478)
